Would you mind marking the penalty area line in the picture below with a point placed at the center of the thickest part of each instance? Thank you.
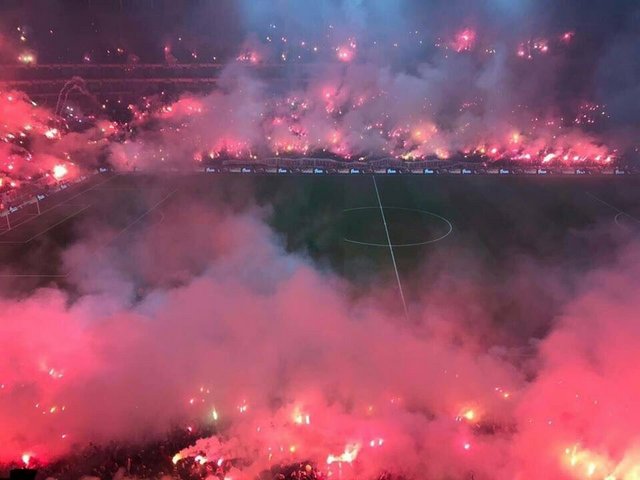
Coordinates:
(620, 212)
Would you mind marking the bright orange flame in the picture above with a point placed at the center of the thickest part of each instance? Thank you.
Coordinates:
(60, 171)
(468, 414)
(349, 455)
(586, 464)
(301, 418)
(27, 58)
(51, 133)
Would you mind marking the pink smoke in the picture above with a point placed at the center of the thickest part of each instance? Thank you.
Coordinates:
(296, 370)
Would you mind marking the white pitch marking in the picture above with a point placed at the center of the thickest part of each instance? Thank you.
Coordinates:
(620, 212)
(68, 217)
(164, 199)
(57, 205)
(393, 257)
(402, 245)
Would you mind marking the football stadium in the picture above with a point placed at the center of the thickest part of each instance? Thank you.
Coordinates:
(340, 239)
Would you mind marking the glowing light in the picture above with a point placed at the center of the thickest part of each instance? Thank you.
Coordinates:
(469, 415)
(345, 53)
(214, 415)
(51, 133)
(27, 58)
(26, 459)
(349, 455)
(176, 458)
(376, 442)
(301, 418)
(60, 171)
(442, 153)
(587, 464)
(249, 57)
(464, 40)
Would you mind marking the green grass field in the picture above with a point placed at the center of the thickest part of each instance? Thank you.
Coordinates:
(490, 220)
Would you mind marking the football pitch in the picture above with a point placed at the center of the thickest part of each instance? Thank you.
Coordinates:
(367, 229)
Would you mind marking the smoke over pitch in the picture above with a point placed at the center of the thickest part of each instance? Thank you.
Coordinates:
(233, 330)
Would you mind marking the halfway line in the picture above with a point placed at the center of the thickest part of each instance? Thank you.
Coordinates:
(393, 257)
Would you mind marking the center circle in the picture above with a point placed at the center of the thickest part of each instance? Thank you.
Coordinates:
(394, 218)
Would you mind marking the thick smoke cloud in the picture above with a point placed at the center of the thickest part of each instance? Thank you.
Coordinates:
(296, 369)
(176, 327)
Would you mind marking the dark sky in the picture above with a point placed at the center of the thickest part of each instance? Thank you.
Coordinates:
(145, 26)
(142, 27)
